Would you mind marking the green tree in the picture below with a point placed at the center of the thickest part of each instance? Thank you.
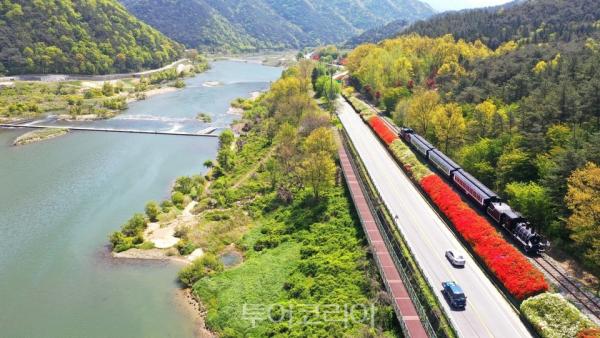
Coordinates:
(532, 200)
(515, 165)
(318, 172)
(226, 139)
(201, 267)
(134, 226)
(178, 198)
(225, 158)
(152, 210)
(480, 159)
(107, 89)
(287, 147)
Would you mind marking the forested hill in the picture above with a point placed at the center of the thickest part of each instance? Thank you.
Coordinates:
(532, 21)
(521, 114)
(377, 34)
(78, 37)
(250, 25)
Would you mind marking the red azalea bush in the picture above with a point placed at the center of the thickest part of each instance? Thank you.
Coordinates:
(382, 130)
(513, 270)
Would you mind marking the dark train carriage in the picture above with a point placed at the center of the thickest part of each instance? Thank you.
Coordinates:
(405, 134)
(501, 213)
(470, 186)
(443, 162)
(420, 144)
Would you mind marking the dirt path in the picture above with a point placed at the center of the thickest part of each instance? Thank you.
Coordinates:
(252, 171)
(163, 237)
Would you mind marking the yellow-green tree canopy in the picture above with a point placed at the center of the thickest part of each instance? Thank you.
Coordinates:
(583, 200)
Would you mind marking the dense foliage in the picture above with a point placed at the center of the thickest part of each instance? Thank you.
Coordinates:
(552, 316)
(521, 118)
(78, 37)
(515, 272)
(528, 22)
(236, 25)
(379, 33)
(304, 240)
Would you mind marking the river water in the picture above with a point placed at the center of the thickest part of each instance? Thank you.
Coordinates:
(60, 199)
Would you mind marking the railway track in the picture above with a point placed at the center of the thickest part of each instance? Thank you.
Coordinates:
(588, 302)
(581, 296)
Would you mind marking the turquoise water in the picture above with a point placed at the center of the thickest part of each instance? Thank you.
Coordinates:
(61, 198)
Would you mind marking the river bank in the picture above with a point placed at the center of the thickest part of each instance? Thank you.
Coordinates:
(259, 219)
(56, 244)
(93, 98)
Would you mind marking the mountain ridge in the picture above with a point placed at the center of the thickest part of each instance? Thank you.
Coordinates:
(78, 37)
(253, 25)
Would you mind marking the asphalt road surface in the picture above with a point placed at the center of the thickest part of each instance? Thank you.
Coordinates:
(488, 313)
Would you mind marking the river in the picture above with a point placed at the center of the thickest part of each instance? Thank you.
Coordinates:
(60, 199)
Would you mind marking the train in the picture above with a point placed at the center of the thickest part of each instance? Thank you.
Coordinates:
(487, 200)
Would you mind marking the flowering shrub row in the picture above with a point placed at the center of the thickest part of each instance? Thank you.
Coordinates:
(513, 270)
(553, 316)
(363, 109)
(382, 130)
(407, 158)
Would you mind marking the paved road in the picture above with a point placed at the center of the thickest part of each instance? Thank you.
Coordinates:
(73, 77)
(488, 313)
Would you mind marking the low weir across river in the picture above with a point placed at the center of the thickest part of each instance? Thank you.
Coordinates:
(208, 132)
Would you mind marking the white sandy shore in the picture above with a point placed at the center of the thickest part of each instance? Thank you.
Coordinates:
(163, 238)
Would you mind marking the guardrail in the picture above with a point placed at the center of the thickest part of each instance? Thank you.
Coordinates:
(391, 237)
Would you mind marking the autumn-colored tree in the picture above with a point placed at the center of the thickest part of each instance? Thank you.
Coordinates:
(318, 172)
(423, 106)
(449, 126)
(321, 141)
(483, 118)
(583, 200)
(288, 100)
(312, 120)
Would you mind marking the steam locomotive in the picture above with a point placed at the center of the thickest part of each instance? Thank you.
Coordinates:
(514, 223)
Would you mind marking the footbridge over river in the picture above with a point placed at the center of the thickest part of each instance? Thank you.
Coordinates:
(207, 132)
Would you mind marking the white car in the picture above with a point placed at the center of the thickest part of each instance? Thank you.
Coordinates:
(455, 259)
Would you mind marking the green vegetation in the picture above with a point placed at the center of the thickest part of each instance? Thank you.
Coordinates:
(95, 99)
(521, 118)
(204, 266)
(528, 22)
(78, 37)
(412, 164)
(289, 217)
(242, 26)
(152, 210)
(554, 317)
(419, 283)
(203, 117)
(39, 135)
(131, 234)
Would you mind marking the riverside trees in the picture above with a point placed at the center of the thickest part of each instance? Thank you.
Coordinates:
(302, 237)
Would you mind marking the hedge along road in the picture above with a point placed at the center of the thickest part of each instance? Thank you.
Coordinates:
(488, 313)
